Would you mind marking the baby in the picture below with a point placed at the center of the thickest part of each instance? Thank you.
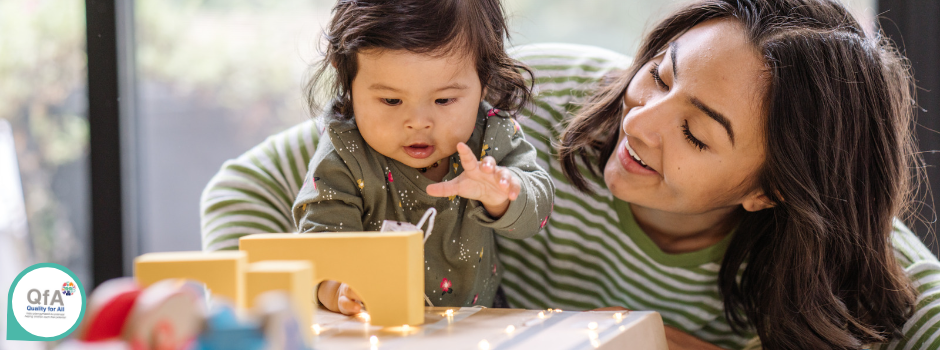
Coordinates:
(408, 129)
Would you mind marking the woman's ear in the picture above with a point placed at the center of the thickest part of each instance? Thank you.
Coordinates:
(757, 201)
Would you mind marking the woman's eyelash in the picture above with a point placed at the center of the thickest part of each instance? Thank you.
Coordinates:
(445, 101)
(685, 126)
(694, 141)
(659, 80)
(392, 101)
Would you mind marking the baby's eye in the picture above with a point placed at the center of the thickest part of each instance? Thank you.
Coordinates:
(392, 101)
(445, 101)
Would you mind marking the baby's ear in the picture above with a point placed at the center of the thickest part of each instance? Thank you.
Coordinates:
(757, 201)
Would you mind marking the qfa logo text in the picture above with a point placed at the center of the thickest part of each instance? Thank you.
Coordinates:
(39, 301)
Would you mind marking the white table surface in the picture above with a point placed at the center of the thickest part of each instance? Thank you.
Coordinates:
(489, 329)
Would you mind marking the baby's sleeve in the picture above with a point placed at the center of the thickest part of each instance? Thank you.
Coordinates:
(330, 199)
(530, 211)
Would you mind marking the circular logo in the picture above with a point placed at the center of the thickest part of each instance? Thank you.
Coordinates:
(44, 308)
(68, 288)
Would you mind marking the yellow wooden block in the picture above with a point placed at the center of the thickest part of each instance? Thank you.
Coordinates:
(293, 276)
(386, 269)
(223, 272)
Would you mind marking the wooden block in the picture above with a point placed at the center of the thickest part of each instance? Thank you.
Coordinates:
(292, 276)
(386, 269)
(222, 272)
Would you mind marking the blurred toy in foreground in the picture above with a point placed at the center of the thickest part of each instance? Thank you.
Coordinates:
(173, 315)
(167, 315)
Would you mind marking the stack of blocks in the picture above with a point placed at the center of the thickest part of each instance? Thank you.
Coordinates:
(385, 268)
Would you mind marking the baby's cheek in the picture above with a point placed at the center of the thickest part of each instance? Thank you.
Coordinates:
(459, 132)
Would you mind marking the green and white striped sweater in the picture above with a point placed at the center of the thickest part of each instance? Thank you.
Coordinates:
(591, 253)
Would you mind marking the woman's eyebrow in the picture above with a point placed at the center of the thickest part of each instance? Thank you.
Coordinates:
(718, 117)
(711, 113)
(673, 47)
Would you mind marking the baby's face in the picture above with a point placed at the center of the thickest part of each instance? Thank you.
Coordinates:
(415, 108)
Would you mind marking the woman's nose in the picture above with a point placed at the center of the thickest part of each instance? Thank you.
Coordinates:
(645, 123)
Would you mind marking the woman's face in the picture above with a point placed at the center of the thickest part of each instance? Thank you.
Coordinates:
(691, 141)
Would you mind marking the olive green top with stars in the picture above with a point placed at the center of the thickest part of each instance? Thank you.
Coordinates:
(351, 187)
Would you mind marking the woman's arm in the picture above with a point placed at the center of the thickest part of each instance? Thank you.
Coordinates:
(254, 192)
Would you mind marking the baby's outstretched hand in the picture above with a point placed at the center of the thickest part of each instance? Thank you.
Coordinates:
(494, 186)
(338, 297)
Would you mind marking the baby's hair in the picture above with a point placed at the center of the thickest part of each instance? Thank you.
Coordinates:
(429, 27)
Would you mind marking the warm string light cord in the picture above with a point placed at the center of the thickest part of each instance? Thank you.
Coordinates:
(432, 214)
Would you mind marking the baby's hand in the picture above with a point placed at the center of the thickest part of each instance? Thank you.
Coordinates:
(338, 297)
(492, 185)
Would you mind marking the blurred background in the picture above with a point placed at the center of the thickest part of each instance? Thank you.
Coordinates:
(179, 86)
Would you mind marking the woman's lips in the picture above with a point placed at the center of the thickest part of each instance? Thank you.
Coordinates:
(419, 151)
(629, 164)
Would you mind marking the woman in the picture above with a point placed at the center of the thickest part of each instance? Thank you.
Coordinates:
(770, 137)
(740, 177)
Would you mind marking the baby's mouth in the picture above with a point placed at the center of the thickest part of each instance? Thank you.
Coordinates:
(419, 150)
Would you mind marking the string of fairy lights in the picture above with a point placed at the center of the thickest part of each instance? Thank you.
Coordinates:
(592, 328)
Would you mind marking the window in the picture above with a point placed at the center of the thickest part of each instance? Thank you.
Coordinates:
(44, 214)
(214, 78)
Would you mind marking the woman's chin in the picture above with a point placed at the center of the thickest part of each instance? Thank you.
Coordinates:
(626, 186)
(617, 181)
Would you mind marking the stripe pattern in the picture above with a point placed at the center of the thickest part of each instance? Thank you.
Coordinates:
(254, 192)
(581, 260)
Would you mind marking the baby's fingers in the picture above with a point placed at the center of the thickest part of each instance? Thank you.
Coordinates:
(349, 306)
(514, 188)
(503, 177)
(508, 183)
(444, 189)
(349, 302)
(467, 159)
(488, 165)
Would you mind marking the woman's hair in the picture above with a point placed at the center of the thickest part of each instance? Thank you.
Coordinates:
(816, 271)
(470, 28)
